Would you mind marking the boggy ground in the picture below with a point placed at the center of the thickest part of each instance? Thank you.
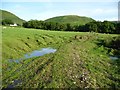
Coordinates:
(78, 62)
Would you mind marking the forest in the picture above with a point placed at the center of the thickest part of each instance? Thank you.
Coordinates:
(95, 26)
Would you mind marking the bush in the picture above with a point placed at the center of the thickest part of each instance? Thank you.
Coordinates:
(7, 22)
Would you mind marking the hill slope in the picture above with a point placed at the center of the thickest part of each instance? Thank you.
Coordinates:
(72, 19)
(11, 16)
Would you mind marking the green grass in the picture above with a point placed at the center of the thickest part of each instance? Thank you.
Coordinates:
(72, 19)
(10, 16)
(78, 61)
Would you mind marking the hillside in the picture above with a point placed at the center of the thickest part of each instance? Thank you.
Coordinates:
(72, 19)
(10, 16)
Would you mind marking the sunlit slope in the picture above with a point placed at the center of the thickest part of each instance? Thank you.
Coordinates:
(11, 16)
(72, 19)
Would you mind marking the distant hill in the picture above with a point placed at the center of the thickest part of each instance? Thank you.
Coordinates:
(11, 16)
(72, 19)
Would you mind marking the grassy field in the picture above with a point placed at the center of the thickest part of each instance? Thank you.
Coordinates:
(78, 62)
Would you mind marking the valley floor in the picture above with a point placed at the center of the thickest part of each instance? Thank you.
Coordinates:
(78, 62)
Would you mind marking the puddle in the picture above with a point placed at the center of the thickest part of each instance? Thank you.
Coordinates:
(113, 57)
(15, 82)
(41, 52)
(35, 53)
(15, 61)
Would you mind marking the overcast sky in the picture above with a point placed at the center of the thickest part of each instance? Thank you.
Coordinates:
(41, 10)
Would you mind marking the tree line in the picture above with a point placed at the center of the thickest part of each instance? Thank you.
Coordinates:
(48, 25)
(95, 26)
(7, 22)
(103, 27)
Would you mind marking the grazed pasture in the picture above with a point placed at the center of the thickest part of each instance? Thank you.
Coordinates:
(78, 61)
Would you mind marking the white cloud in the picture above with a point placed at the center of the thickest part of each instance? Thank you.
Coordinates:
(104, 11)
(60, 0)
(111, 19)
(18, 8)
(99, 11)
(98, 14)
(46, 15)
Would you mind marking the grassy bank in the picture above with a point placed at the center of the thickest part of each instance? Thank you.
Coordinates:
(78, 61)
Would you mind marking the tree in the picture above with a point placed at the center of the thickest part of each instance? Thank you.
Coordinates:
(69, 27)
(101, 27)
(7, 22)
(108, 27)
(92, 26)
(118, 28)
(25, 24)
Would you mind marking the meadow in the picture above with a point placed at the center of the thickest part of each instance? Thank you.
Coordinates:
(79, 61)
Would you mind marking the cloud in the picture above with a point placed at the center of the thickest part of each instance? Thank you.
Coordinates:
(46, 15)
(104, 11)
(18, 8)
(98, 13)
(42, 11)
(103, 14)
(60, 1)
(110, 19)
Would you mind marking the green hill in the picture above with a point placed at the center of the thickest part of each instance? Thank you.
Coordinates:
(10, 16)
(72, 19)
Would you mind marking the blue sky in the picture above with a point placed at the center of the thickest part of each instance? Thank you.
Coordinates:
(41, 10)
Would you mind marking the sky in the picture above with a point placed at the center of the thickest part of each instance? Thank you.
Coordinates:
(38, 9)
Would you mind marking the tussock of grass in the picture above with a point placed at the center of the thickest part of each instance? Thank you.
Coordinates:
(78, 61)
